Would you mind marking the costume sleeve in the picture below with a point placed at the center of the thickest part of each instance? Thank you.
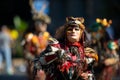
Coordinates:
(52, 53)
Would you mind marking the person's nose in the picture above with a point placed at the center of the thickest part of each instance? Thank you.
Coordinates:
(73, 30)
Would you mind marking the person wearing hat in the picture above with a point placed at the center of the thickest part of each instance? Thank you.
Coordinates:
(64, 57)
(35, 42)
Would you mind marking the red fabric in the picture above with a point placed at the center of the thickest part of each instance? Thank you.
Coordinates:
(80, 48)
(64, 67)
(49, 58)
(67, 64)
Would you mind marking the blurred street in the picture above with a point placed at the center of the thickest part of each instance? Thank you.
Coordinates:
(19, 67)
(13, 77)
(20, 71)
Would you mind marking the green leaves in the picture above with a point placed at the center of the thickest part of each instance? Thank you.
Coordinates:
(20, 24)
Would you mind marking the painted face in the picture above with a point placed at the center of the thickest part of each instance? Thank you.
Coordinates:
(73, 34)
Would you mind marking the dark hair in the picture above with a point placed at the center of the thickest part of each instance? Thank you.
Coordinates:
(60, 34)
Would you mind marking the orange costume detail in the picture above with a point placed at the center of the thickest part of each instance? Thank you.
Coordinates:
(36, 43)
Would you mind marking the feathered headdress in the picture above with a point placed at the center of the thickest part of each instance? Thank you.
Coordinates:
(42, 17)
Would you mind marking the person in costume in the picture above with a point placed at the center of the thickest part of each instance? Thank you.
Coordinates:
(101, 33)
(35, 42)
(66, 57)
(111, 60)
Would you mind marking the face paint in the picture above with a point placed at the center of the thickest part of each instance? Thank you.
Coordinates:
(73, 34)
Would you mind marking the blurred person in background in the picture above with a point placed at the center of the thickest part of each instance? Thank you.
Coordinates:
(36, 41)
(101, 32)
(110, 61)
(5, 49)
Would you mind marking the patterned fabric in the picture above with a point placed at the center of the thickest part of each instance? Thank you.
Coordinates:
(69, 66)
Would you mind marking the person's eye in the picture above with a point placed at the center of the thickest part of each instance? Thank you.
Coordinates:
(69, 29)
(77, 29)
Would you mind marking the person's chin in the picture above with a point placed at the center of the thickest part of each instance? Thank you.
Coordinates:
(73, 39)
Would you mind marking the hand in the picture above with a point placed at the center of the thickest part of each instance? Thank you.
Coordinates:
(84, 76)
(40, 75)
